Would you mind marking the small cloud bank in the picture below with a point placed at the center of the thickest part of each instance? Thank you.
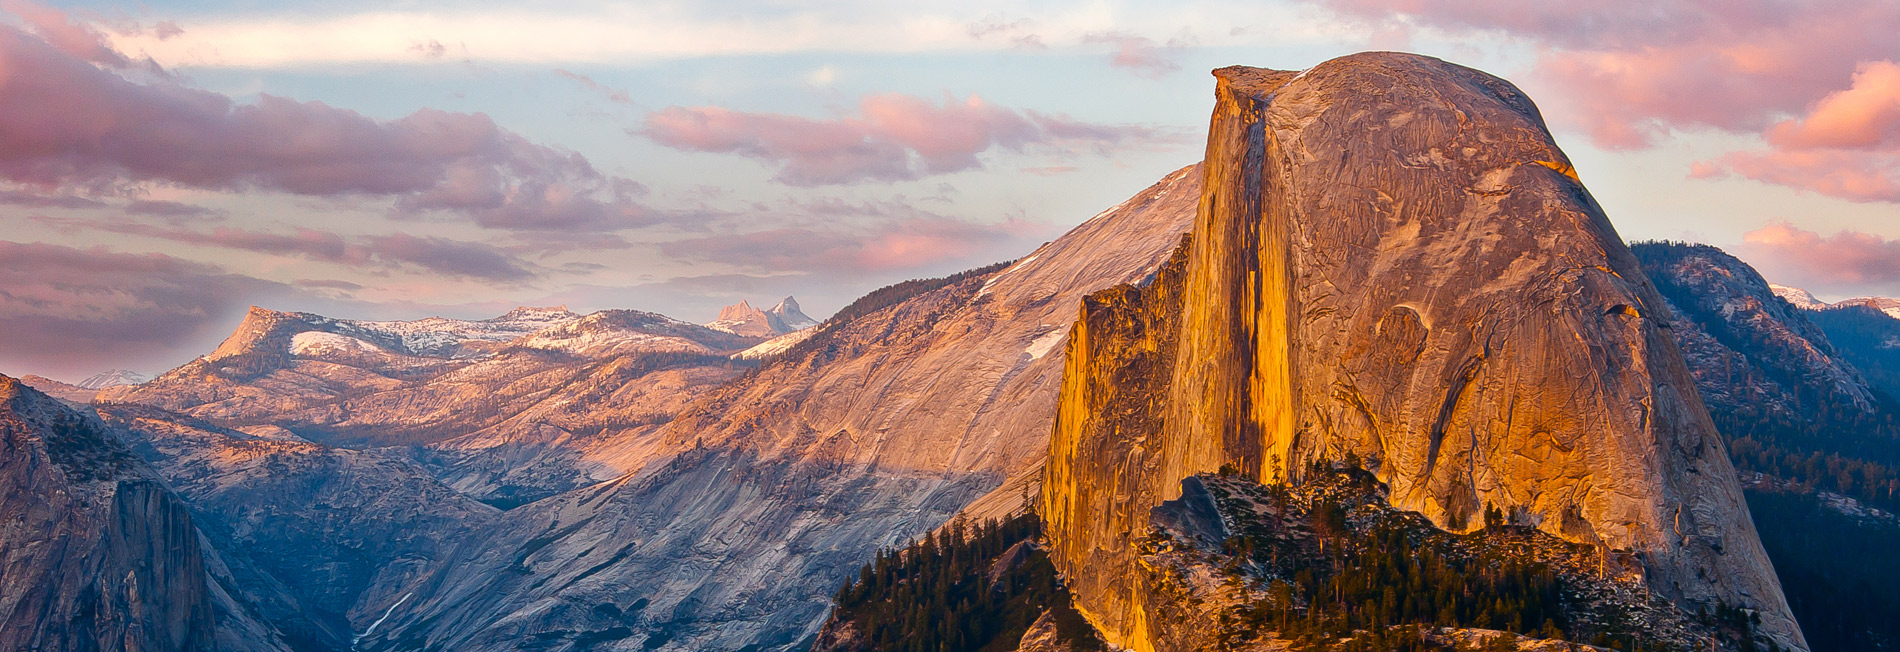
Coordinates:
(892, 137)
(440, 256)
(1849, 262)
(1139, 54)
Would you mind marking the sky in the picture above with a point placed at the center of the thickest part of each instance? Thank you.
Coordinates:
(164, 165)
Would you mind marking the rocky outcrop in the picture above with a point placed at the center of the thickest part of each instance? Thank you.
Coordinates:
(113, 378)
(1392, 259)
(95, 553)
(776, 486)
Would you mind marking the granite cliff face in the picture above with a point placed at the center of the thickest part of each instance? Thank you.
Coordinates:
(1392, 259)
(95, 552)
(922, 400)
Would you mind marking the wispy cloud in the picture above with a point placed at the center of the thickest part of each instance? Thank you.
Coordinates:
(1140, 54)
(830, 237)
(892, 137)
(573, 34)
(616, 95)
(430, 254)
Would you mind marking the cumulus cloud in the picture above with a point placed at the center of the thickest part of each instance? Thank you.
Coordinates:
(1635, 71)
(1847, 145)
(894, 137)
(73, 311)
(71, 122)
(1139, 54)
(1847, 259)
(1864, 116)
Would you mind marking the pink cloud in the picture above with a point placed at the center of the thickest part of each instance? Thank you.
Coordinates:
(1138, 53)
(1851, 175)
(72, 37)
(832, 236)
(1865, 116)
(68, 125)
(895, 137)
(1790, 254)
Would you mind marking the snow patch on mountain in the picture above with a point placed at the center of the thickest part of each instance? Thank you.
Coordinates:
(1046, 343)
(113, 378)
(775, 345)
(440, 336)
(319, 343)
(1800, 298)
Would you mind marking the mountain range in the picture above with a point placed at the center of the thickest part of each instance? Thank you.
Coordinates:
(1382, 315)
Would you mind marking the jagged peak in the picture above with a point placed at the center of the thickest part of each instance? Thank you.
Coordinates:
(788, 311)
(740, 310)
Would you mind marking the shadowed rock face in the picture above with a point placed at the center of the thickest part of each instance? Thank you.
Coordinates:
(1393, 259)
(95, 552)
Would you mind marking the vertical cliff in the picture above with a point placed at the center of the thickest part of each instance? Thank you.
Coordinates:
(1393, 259)
(94, 554)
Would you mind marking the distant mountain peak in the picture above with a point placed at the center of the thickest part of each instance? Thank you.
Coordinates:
(743, 319)
(740, 310)
(1800, 298)
(787, 311)
(1805, 300)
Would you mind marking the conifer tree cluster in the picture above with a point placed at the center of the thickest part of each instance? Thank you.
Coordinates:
(968, 587)
(1366, 582)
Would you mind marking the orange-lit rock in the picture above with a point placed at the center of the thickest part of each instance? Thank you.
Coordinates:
(1393, 259)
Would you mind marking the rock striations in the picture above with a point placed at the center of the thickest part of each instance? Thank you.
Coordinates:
(1392, 259)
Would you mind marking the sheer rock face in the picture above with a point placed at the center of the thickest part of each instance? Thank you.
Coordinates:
(1393, 259)
(780, 484)
(95, 552)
